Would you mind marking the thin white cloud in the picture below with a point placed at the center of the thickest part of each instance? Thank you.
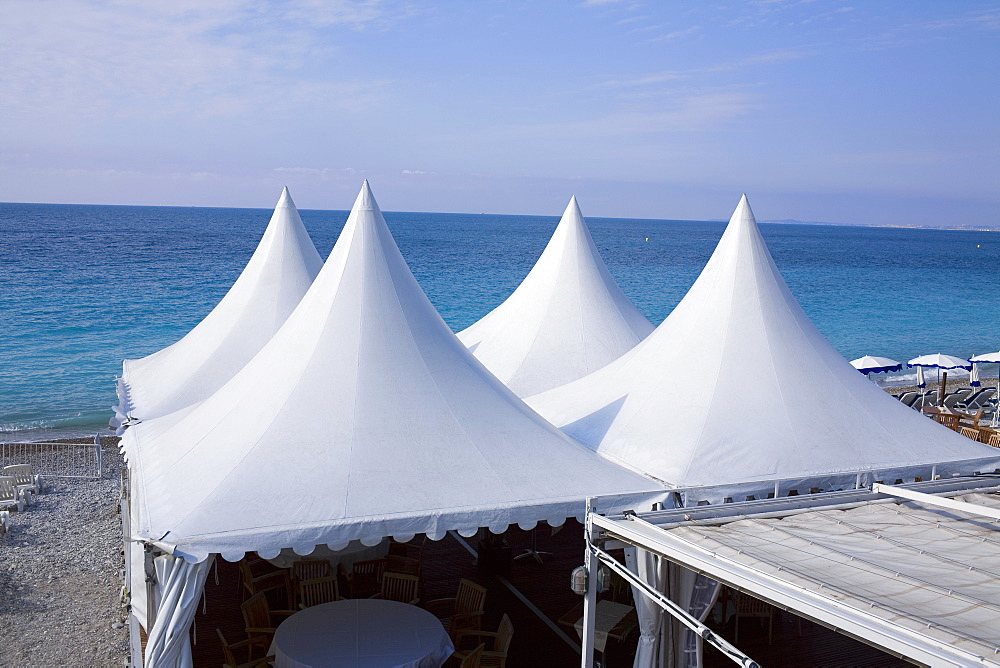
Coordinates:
(676, 34)
(649, 79)
(225, 58)
(689, 111)
(670, 76)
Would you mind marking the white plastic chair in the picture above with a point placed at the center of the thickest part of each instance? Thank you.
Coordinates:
(10, 495)
(24, 477)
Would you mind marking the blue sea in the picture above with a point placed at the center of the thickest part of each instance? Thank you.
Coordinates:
(83, 287)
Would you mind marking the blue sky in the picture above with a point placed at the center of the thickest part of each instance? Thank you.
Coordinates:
(850, 112)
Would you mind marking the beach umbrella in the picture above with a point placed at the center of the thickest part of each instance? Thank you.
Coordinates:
(939, 361)
(921, 384)
(988, 358)
(974, 375)
(869, 364)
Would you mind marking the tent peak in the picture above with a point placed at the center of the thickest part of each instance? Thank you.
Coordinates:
(573, 211)
(365, 200)
(285, 199)
(743, 213)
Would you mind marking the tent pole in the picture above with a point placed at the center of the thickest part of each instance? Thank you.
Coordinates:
(591, 564)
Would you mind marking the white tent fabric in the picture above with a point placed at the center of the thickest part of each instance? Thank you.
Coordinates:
(363, 417)
(566, 319)
(178, 591)
(270, 286)
(738, 385)
(930, 572)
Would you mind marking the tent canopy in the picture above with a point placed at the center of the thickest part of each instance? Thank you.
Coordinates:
(738, 385)
(566, 319)
(269, 288)
(363, 417)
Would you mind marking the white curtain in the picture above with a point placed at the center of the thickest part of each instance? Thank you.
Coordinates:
(178, 589)
(651, 569)
(698, 594)
(664, 641)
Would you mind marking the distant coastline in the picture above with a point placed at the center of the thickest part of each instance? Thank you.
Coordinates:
(954, 228)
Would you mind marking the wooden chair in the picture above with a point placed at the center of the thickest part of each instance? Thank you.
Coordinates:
(971, 420)
(366, 578)
(231, 662)
(318, 590)
(311, 569)
(260, 619)
(950, 421)
(273, 580)
(969, 432)
(995, 440)
(405, 565)
(399, 587)
(498, 642)
(472, 659)
(462, 612)
(753, 608)
(411, 550)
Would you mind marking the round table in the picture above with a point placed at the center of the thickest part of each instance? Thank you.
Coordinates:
(361, 633)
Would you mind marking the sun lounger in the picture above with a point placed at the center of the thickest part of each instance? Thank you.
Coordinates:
(907, 398)
(10, 495)
(978, 400)
(24, 477)
(952, 398)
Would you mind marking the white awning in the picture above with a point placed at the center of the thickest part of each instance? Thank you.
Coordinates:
(913, 577)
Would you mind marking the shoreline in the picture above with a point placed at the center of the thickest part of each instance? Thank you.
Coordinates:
(84, 435)
(932, 385)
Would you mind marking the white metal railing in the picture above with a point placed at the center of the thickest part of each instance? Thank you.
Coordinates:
(57, 460)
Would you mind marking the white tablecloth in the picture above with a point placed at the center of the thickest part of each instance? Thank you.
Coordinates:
(607, 616)
(361, 633)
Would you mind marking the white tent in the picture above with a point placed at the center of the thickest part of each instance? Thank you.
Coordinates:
(566, 319)
(270, 286)
(738, 385)
(363, 417)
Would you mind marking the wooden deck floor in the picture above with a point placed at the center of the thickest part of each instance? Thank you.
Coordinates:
(547, 586)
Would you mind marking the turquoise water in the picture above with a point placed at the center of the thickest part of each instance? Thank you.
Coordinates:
(82, 287)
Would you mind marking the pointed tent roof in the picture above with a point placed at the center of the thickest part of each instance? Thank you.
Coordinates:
(363, 417)
(567, 318)
(737, 385)
(270, 286)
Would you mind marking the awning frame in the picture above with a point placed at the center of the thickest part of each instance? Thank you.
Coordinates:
(649, 531)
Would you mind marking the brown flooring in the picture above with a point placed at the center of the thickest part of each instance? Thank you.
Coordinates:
(548, 587)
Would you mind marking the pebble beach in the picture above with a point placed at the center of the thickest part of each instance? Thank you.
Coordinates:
(61, 575)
